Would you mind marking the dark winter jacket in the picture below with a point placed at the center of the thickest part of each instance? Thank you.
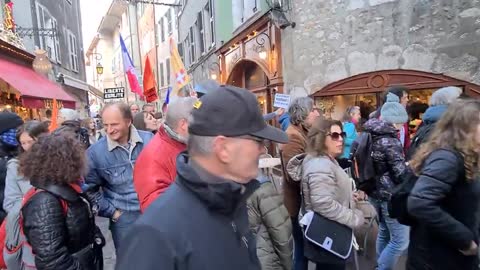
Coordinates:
(200, 222)
(429, 119)
(387, 155)
(446, 207)
(59, 239)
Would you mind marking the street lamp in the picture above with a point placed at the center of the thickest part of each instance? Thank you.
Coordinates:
(215, 70)
(99, 68)
(261, 40)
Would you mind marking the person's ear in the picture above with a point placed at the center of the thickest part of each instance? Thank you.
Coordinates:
(223, 149)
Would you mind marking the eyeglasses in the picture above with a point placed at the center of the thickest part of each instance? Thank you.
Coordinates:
(336, 136)
(260, 141)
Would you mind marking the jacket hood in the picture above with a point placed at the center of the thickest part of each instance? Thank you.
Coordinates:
(294, 167)
(434, 113)
(225, 196)
(379, 127)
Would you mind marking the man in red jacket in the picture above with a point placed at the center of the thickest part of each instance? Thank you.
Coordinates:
(155, 167)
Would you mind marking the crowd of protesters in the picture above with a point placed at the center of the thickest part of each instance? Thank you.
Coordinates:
(190, 189)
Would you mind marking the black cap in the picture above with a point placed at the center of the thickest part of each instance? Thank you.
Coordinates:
(231, 111)
(9, 120)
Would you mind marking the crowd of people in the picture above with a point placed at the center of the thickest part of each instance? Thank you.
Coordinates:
(192, 189)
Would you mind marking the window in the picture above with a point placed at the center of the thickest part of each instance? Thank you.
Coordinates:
(169, 21)
(209, 8)
(185, 49)
(72, 51)
(180, 51)
(192, 45)
(162, 29)
(49, 44)
(57, 42)
(200, 32)
(167, 63)
(162, 78)
(242, 10)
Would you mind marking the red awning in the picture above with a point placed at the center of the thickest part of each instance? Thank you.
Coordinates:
(32, 85)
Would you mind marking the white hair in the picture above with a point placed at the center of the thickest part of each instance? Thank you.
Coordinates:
(200, 145)
(69, 114)
(445, 95)
(179, 109)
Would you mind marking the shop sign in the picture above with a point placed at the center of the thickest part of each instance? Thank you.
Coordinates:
(48, 103)
(114, 93)
(282, 101)
(8, 22)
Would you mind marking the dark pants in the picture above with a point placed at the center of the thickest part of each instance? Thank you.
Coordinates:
(325, 266)
(299, 260)
(120, 228)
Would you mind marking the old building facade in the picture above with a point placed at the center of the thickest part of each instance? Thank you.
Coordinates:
(360, 47)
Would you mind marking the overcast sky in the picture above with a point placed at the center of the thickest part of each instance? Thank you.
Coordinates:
(92, 13)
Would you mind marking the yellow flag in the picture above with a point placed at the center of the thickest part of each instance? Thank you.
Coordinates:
(180, 75)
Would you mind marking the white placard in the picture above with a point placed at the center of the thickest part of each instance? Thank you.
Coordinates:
(282, 101)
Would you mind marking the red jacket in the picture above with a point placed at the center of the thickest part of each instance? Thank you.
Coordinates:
(155, 168)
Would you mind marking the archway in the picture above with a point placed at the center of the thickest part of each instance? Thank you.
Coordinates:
(252, 76)
(365, 89)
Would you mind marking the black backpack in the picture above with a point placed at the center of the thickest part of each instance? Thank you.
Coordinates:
(363, 170)
(397, 206)
(420, 137)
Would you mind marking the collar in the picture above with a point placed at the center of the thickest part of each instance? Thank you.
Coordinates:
(172, 134)
(221, 195)
(66, 192)
(134, 139)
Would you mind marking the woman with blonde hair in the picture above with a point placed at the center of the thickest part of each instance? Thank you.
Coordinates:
(89, 124)
(444, 200)
(327, 190)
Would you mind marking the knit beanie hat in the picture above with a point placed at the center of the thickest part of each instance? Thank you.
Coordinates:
(9, 120)
(392, 111)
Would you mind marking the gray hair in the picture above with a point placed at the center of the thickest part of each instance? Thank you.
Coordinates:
(69, 114)
(445, 95)
(299, 110)
(200, 145)
(178, 109)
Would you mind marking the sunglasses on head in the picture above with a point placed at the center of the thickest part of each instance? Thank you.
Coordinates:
(336, 136)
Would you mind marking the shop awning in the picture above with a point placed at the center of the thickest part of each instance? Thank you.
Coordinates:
(33, 87)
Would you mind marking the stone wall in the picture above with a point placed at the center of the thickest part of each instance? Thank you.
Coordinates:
(336, 39)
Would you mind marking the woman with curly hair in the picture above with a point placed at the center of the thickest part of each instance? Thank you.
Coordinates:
(57, 219)
(444, 200)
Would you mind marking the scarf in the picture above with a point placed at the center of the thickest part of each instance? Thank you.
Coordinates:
(9, 137)
(172, 134)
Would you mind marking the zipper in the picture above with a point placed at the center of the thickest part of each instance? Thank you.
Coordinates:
(240, 235)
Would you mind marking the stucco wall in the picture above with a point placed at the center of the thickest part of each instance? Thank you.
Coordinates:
(336, 39)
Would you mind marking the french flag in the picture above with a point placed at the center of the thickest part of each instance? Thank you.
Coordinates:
(130, 70)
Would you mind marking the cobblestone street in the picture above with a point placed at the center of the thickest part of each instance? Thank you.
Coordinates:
(108, 250)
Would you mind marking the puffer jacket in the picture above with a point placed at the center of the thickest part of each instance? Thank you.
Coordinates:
(326, 188)
(60, 240)
(270, 223)
(387, 155)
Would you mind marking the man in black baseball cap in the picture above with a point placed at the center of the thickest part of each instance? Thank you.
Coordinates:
(201, 221)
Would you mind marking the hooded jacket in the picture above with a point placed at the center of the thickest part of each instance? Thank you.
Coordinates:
(271, 225)
(200, 222)
(387, 155)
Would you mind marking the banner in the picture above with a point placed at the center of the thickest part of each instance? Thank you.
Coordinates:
(149, 83)
(178, 69)
(130, 70)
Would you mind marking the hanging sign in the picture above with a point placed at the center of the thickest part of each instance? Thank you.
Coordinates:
(114, 93)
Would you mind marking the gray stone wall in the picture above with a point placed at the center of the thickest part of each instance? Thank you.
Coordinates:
(336, 39)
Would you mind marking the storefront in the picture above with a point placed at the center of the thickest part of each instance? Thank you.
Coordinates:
(24, 91)
(253, 60)
(365, 90)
